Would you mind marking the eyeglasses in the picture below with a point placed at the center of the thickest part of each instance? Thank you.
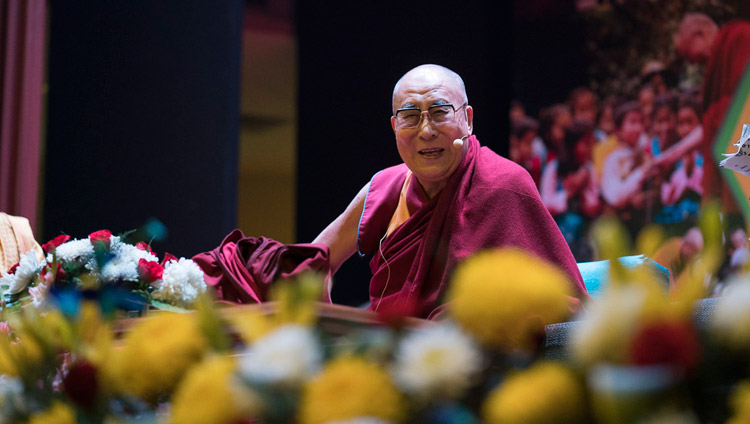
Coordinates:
(411, 117)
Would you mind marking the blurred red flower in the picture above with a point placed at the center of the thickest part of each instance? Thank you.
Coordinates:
(666, 343)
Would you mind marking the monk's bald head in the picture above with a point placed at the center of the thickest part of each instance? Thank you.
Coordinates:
(695, 36)
(431, 74)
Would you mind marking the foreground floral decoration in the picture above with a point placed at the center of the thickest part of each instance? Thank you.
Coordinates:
(526, 397)
(213, 385)
(350, 388)
(482, 286)
(146, 368)
(635, 355)
(437, 362)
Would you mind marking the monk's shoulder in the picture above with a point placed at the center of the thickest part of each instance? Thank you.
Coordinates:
(495, 172)
(389, 176)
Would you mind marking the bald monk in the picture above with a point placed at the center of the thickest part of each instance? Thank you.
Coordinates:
(449, 198)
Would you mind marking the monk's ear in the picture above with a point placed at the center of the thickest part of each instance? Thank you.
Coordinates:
(393, 124)
(470, 118)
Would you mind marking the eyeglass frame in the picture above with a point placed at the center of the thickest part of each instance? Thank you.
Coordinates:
(422, 111)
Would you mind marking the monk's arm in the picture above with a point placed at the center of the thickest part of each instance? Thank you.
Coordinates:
(341, 235)
(675, 152)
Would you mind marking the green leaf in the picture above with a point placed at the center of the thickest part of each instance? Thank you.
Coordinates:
(164, 306)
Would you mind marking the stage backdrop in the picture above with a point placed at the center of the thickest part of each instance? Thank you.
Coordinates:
(350, 56)
(631, 63)
(143, 113)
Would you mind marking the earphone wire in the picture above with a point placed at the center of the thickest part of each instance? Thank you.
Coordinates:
(388, 279)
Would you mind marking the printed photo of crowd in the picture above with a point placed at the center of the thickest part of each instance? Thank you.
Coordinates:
(642, 152)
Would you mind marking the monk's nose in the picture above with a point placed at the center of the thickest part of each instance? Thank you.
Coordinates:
(427, 130)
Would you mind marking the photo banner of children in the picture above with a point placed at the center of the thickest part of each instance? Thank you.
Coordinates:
(633, 138)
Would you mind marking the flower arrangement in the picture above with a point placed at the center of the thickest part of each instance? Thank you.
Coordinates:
(130, 274)
(634, 355)
(239, 365)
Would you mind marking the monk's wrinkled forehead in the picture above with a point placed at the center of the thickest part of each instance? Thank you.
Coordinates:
(428, 82)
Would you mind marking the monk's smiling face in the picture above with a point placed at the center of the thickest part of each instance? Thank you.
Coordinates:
(425, 143)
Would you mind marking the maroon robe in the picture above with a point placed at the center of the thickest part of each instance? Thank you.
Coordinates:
(488, 202)
(725, 67)
(242, 269)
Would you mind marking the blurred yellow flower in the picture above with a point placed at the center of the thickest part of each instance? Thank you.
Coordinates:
(505, 297)
(21, 357)
(740, 403)
(209, 393)
(292, 301)
(58, 413)
(548, 392)
(349, 388)
(157, 352)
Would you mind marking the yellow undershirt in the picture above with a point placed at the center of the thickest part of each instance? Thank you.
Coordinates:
(402, 210)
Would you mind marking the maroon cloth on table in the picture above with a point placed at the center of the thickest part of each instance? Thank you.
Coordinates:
(488, 202)
(724, 69)
(242, 269)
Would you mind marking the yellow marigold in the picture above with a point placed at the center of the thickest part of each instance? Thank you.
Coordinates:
(740, 402)
(210, 394)
(58, 413)
(548, 392)
(157, 352)
(349, 388)
(19, 357)
(505, 297)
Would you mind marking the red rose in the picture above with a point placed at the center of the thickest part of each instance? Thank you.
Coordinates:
(52, 244)
(168, 257)
(101, 236)
(149, 271)
(13, 269)
(59, 274)
(666, 343)
(142, 245)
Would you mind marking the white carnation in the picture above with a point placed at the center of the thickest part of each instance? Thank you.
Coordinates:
(124, 263)
(79, 250)
(28, 268)
(438, 360)
(11, 398)
(606, 323)
(731, 319)
(182, 283)
(289, 355)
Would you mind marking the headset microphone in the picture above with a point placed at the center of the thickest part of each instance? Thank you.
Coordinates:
(459, 141)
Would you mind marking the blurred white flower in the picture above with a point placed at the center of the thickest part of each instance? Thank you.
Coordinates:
(28, 268)
(38, 295)
(182, 283)
(606, 326)
(79, 250)
(436, 361)
(288, 355)
(731, 319)
(11, 397)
